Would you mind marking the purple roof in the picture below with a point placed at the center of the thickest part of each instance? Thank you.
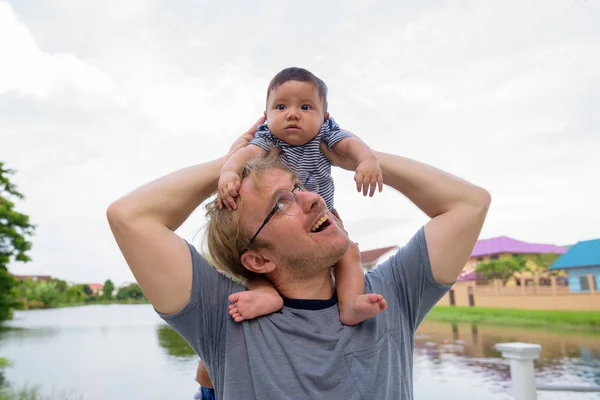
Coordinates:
(505, 244)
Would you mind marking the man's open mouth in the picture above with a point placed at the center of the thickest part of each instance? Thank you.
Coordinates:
(321, 224)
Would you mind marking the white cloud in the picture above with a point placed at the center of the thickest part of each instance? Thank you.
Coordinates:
(28, 70)
(503, 94)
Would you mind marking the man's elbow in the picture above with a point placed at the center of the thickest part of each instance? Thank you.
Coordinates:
(481, 202)
(484, 199)
(117, 213)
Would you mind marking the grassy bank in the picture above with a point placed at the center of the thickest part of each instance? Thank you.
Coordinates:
(32, 393)
(39, 306)
(563, 320)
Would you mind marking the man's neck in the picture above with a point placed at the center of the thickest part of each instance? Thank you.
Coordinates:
(319, 287)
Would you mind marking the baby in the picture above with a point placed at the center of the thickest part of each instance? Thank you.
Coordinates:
(297, 122)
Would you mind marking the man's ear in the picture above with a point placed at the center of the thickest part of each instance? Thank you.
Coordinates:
(326, 116)
(256, 262)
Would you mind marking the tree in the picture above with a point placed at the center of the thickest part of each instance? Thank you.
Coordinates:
(87, 290)
(75, 294)
(503, 268)
(543, 261)
(15, 231)
(133, 291)
(108, 290)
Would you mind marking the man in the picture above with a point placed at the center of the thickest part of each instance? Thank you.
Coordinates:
(302, 351)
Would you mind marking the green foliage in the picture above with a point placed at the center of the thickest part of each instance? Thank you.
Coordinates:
(33, 393)
(174, 344)
(15, 230)
(14, 226)
(87, 290)
(30, 294)
(44, 294)
(543, 261)
(133, 292)
(107, 291)
(503, 268)
(7, 300)
(75, 294)
(575, 320)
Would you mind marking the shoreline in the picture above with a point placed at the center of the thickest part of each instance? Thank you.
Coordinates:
(582, 321)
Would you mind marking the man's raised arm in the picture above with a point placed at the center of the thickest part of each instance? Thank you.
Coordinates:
(457, 208)
(143, 223)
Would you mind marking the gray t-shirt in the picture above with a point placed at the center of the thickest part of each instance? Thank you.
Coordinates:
(303, 351)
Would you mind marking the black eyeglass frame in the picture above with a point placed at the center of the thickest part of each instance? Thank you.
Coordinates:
(297, 187)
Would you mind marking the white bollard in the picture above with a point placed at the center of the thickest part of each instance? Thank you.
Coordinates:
(521, 356)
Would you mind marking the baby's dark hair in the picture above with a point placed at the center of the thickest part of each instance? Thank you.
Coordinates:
(300, 75)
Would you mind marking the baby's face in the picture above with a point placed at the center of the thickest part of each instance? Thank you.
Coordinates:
(295, 112)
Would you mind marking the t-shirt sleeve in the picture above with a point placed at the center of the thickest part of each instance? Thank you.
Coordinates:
(202, 322)
(332, 133)
(409, 271)
(264, 139)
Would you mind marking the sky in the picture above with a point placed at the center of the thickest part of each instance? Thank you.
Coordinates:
(98, 98)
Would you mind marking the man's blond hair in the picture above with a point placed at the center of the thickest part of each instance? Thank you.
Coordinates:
(225, 239)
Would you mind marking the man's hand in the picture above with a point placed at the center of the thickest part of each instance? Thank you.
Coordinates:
(247, 137)
(368, 174)
(229, 184)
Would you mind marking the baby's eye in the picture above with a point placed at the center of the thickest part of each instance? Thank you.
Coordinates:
(280, 107)
(306, 107)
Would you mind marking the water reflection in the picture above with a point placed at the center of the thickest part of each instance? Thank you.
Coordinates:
(131, 353)
(565, 357)
(174, 344)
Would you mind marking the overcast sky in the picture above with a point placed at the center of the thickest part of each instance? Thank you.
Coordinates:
(97, 98)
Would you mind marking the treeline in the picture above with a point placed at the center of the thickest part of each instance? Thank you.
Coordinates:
(32, 294)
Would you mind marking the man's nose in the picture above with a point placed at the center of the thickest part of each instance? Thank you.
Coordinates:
(309, 201)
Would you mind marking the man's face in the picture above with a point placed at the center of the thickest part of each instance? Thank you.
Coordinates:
(295, 112)
(295, 247)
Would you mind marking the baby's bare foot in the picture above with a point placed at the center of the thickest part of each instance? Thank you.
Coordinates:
(253, 303)
(361, 308)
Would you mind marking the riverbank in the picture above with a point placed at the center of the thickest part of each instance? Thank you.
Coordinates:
(588, 321)
(40, 306)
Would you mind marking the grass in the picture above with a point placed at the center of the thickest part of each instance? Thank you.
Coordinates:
(33, 393)
(563, 320)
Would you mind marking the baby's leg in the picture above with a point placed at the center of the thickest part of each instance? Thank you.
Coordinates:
(260, 299)
(355, 305)
(202, 376)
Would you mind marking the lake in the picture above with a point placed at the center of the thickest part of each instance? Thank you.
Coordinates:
(127, 352)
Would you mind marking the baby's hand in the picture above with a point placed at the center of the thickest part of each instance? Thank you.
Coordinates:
(229, 184)
(368, 173)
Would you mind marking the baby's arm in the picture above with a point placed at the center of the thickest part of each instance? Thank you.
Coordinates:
(368, 173)
(230, 180)
(261, 298)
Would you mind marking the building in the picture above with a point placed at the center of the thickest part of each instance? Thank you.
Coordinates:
(96, 288)
(495, 248)
(582, 264)
(371, 258)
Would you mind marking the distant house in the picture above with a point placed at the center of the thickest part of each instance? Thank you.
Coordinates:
(371, 258)
(96, 288)
(494, 248)
(32, 277)
(582, 263)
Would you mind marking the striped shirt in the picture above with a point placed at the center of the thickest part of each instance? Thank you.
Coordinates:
(307, 160)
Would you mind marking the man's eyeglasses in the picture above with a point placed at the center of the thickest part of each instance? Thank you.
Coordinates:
(287, 202)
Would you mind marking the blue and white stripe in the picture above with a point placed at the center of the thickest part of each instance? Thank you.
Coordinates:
(307, 158)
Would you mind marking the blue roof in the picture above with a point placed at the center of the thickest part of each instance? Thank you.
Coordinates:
(583, 254)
